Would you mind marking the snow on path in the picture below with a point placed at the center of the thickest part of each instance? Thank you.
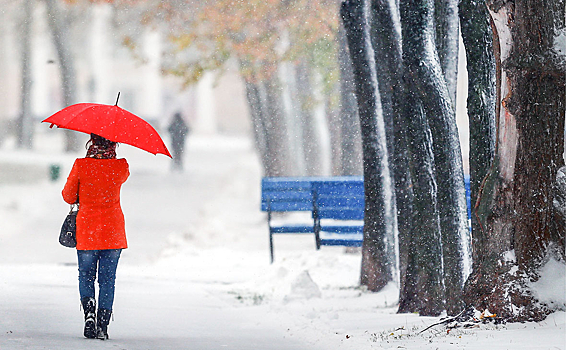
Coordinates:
(158, 306)
(197, 273)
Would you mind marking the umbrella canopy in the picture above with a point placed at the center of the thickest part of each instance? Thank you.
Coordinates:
(111, 122)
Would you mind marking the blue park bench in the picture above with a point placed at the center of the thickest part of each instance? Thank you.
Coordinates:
(338, 211)
(336, 205)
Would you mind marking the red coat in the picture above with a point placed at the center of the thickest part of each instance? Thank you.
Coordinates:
(97, 182)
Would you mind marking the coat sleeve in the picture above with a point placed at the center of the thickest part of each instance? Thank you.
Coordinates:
(71, 189)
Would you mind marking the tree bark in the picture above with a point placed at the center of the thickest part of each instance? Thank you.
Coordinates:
(61, 40)
(447, 33)
(478, 41)
(351, 159)
(418, 34)
(422, 290)
(521, 228)
(257, 115)
(25, 120)
(376, 268)
(388, 50)
(278, 151)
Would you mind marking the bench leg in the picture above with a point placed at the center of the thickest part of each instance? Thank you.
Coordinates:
(271, 245)
(317, 233)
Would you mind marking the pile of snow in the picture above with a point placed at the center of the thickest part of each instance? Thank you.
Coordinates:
(550, 288)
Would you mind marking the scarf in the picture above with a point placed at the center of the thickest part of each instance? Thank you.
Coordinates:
(99, 152)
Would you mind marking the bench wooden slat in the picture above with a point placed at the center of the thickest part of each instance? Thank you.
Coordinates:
(342, 242)
(341, 201)
(341, 213)
(292, 228)
(287, 183)
(289, 206)
(343, 229)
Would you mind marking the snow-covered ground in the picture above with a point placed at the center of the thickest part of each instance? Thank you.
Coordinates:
(197, 272)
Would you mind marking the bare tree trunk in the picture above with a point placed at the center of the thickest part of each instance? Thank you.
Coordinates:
(310, 137)
(25, 120)
(422, 290)
(277, 143)
(60, 35)
(520, 225)
(478, 40)
(334, 123)
(387, 38)
(376, 267)
(441, 117)
(255, 106)
(447, 33)
(351, 161)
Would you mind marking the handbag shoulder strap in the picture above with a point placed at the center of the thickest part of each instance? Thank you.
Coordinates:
(74, 208)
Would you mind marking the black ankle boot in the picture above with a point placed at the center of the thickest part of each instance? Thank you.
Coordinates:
(102, 323)
(89, 307)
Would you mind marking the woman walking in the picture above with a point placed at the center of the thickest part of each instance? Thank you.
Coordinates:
(94, 183)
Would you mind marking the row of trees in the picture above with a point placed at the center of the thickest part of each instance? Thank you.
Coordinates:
(391, 69)
(405, 51)
(288, 57)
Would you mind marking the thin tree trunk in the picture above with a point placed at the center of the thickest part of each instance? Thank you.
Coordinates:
(376, 271)
(478, 41)
(278, 154)
(351, 161)
(253, 98)
(447, 33)
(61, 40)
(310, 139)
(25, 120)
(441, 117)
(334, 123)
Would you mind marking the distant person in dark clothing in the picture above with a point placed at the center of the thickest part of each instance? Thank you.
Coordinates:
(179, 131)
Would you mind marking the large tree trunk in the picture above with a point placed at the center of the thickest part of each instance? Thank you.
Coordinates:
(422, 289)
(520, 225)
(61, 40)
(386, 35)
(441, 117)
(25, 120)
(376, 267)
(478, 41)
(351, 160)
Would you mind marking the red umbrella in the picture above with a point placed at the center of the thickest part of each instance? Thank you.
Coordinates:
(111, 122)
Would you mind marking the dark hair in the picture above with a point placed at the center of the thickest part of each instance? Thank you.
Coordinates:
(99, 141)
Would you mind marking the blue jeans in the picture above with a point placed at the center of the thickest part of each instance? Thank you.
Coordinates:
(106, 261)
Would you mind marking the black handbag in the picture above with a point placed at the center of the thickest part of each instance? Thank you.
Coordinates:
(68, 235)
